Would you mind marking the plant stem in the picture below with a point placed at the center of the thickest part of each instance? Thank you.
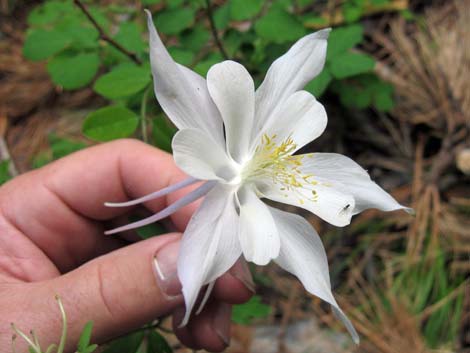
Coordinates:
(26, 338)
(63, 338)
(143, 114)
(214, 30)
(105, 37)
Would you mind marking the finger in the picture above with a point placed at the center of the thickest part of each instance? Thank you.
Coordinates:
(184, 334)
(233, 287)
(236, 286)
(118, 292)
(211, 328)
(58, 206)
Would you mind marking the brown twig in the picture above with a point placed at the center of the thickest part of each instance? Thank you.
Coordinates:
(214, 30)
(131, 55)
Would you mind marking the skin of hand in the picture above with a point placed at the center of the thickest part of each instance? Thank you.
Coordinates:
(52, 223)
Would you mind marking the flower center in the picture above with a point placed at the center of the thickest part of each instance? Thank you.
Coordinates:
(275, 161)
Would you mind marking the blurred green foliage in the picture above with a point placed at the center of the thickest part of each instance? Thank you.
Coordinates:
(252, 32)
(4, 171)
(244, 314)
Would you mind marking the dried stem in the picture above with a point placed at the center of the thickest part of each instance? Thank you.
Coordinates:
(105, 37)
(214, 30)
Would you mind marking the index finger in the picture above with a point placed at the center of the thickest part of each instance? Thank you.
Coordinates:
(117, 171)
(58, 207)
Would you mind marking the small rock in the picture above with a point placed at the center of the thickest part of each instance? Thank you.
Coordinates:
(463, 161)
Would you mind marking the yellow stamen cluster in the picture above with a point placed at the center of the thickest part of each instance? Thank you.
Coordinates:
(275, 161)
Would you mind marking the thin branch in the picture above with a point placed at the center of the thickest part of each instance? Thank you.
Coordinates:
(131, 55)
(4, 151)
(214, 30)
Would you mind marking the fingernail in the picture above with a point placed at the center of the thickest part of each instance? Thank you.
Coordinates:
(164, 265)
(242, 272)
(221, 322)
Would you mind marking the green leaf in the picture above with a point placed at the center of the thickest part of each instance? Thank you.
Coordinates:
(130, 37)
(279, 26)
(122, 82)
(110, 123)
(353, 94)
(49, 12)
(222, 16)
(245, 9)
(91, 348)
(150, 230)
(351, 12)
(181, 56)
(244, 314)
(85, 337)
(4, 172)
(173, 21)
(383, 101)
(162, 133)
(350, 64)
(41, 44)
(172, 4)
(73, 71)
(127, 344)
(232, 42)
(158, 344)
(344, 38)
(195, 39)
(319, 84)
(204, 65)
(83, 37)
(61, 147)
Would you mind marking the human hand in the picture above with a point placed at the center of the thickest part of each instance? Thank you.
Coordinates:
(52, 222)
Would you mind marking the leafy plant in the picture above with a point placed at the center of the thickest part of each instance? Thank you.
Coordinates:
(84, 345)
(4, 171)
(244, 314)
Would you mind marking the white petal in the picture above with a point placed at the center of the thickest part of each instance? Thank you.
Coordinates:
(335, 207)
(181, 92)
(154, 195)
(303, 255)
(290, 73)
(258, 234)
(347, 176)
(301, 117)
(233, 92)
(209, 246)
(175, 206)
(200, 156)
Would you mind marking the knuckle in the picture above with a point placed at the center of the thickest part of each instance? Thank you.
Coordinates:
(107, 299)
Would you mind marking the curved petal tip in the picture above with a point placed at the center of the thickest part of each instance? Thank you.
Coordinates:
(148, 13)
(323, 33)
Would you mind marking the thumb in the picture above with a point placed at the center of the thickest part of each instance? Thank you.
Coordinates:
(120, 291)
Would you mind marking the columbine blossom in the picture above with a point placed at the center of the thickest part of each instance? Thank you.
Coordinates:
(241, 142)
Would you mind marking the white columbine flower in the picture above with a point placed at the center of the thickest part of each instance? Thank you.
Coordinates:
(253, 160)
